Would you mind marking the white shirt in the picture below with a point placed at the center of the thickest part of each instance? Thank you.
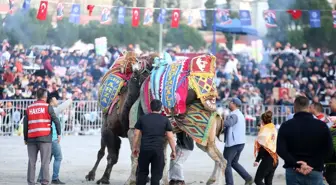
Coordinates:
(231, 66)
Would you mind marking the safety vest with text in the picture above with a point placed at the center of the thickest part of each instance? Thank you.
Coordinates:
(39, 120)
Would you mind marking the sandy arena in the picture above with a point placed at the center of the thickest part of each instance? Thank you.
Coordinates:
(79, 155)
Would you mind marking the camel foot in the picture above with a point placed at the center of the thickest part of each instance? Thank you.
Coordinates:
(210, 181)
(164, 182)
(103, 181)
(90, 176)
(130, 182)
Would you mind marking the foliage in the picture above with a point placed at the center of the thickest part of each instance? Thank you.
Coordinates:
(185, 36)
(65, 34)
(315, 37)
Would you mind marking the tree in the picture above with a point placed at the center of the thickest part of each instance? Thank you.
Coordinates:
(185, 36)
(64, 35)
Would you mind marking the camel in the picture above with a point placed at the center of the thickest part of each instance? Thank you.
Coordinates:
(115, 121)
(192, 98)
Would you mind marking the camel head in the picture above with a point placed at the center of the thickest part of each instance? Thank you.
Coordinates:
(144, 66)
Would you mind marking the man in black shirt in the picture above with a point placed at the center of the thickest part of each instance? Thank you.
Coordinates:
(304, 143)
(153, 128)
(330, 170)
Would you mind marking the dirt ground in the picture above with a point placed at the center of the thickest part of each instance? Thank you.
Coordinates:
(79, 155)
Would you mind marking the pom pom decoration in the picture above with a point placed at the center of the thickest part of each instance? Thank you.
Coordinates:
(296, 14)
(90, 9)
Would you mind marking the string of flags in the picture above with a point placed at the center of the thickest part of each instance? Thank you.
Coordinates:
(223, 16)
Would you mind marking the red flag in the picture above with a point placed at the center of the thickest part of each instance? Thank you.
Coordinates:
(135, 17)
(42, 11)
(283, 92)
(296, 14)
(175, 19)
(90, 9)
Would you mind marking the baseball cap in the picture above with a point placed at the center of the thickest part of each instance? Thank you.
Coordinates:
(236, 101)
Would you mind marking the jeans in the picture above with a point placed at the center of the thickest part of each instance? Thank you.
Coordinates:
(232, 154)
(155, 158)
(57, 153)
(295, 178)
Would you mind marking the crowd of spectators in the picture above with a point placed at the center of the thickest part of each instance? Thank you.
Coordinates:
(303, 71)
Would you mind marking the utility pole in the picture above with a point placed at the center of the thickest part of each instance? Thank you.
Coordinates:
(161, 31)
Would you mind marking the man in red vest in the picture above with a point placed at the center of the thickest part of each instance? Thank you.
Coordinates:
(38, 136)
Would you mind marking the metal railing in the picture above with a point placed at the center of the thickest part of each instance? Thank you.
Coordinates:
(85, 117)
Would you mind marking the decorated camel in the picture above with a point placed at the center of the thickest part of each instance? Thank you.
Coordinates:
(195, 107)
(187, 90)
(119, 89)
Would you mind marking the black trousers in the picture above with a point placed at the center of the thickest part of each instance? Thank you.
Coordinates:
(265, 172)
(155, 158)
(330, 175)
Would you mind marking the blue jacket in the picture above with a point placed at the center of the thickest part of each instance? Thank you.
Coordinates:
(58, 110)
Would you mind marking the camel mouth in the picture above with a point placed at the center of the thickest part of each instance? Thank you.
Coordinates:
(136, 67)
(211, 104)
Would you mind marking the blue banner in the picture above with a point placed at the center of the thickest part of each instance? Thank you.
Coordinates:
(75, 14)
(26, 5)
(245, 17)
(162, 17)
(121, 15)
(203, 17)
(315, 18)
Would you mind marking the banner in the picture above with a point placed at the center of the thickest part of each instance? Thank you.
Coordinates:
(203, 17)
(245, 17)
(26, 5)
(59, 11)
(148, 17)
(270, 18)
(105, 17)
(315, 18)
(162, 16)
(223, 17)
(135, 17)
(75, 14)
(189, 15)
(101, 46)
(121, 15)
(42, 11)
(280, 92)
(175, 18)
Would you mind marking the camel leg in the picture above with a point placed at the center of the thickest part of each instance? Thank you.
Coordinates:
(132, 179)
(92, 174)
(113, 143)
(164, 179)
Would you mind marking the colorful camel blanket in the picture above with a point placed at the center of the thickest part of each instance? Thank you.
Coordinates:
(109, 89)
(198, 123)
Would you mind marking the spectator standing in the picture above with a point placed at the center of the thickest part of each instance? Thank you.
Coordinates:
(38, 135)
(153, 129)
(317, 110)
(330, 170)
(235, 127)
(56, 147)
(265, 147)
(304, 143)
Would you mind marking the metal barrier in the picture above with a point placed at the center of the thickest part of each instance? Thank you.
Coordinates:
(85, 117)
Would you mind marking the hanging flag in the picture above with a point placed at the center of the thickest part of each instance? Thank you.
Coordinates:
(190, 17)
(296, 14)
(148, 17)
(11, 6)
(26, 5)
(203, 17)
(105, 16)
(75, 14)
(315, 18)
(42, 11)
(223, 17)
(245, 17)
(270, 18)
(334, 17)
(135, 17)
(121, 15)
(162, 16)
(59, 11)
(175, 19)
(90, 8)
